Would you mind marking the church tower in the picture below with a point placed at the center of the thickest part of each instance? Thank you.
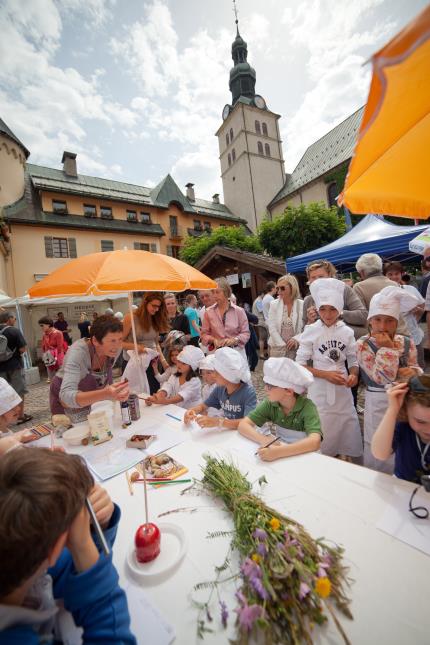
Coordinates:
(252, 166)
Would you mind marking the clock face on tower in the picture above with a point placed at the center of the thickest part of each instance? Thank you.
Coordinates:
(226, 111)
(259, 102)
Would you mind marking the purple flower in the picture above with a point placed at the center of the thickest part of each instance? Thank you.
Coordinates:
(250, 569)
(224, 613)
(259, 588)
(321, 572)
(248, 615)
(241, 598)
(260, 534)
(304, 590)
(262, 549)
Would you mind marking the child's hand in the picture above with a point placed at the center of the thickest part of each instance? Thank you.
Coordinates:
(102, 505)
(352, 380)
(311, 315)
(335, 377)
(80, 543)
(207, 422)
(396, 396)
(383, 339)
(292, 343)
(189, 416)
(271, 453)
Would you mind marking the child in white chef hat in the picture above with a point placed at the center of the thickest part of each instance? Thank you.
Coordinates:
(233, 395)
(329, 343)
(9, 405)
(384, 357)
(207, 373)
(295, 417)
(183, 387)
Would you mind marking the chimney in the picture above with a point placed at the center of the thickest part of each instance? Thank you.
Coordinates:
(69, 164)
(190, 192)
(215, 198)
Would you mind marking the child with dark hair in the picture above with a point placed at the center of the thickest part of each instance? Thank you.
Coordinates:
(405, 429)
(50, 561)
(183, 387)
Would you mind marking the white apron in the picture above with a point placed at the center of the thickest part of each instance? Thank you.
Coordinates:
(339, 421)
(374, 409)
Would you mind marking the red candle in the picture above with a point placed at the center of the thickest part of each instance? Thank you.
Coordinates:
(147, 542)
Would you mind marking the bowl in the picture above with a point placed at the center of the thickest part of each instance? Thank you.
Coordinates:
(74, 436)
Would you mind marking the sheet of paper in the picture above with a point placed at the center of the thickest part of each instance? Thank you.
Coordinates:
(399, 522)
(147, 623)
(112, 457)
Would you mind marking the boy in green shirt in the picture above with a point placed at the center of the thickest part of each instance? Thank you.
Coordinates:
(296, 417)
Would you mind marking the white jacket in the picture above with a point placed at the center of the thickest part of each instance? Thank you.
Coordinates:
(274, 320)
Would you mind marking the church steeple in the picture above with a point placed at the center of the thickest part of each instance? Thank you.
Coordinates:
(242, 75)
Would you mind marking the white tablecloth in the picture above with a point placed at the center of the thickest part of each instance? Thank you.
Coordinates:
(334, 499)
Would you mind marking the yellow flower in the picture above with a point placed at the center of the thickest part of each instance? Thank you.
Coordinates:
(256, 557)
(323, 587)
(275, 523)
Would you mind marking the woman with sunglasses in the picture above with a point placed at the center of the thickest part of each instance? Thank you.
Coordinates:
(150, 320)
(285, 318)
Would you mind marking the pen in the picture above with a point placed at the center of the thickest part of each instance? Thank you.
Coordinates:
(97, 527)
(269, 444)
(173, 417)
(156, 482)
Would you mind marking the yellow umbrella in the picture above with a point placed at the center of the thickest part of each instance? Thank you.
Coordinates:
(121, 271)
(390, 170)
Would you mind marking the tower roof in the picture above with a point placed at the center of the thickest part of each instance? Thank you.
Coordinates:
(4, 129)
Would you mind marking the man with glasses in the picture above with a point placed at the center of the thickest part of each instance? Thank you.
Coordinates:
(11, 365)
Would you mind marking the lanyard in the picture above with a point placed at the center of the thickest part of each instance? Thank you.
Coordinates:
(423, 453)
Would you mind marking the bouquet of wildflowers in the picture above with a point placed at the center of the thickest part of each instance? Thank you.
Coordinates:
(288, 581)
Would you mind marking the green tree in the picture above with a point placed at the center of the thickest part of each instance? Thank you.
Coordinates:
(300, 229)
(235, 237)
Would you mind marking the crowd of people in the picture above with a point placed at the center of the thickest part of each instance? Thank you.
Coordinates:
(315, 350)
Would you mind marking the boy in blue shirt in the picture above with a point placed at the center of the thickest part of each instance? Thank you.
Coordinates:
(295, 417)
(405, 429)
(50, 564)
(233, 394)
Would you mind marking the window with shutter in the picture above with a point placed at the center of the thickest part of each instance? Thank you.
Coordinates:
(72, 248)
(48, 247)
(106, 245)
(153, 248)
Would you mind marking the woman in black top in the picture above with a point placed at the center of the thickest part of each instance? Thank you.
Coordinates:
(177, 320)
(84, 325)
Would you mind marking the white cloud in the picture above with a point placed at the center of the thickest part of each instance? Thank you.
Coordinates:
(334, 43)
(183, 88)
(51, 107)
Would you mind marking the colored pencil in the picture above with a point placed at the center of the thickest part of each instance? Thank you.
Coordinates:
(269, 444)
(173, 417)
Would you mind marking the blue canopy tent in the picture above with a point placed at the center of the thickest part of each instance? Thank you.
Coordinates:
(372, 234)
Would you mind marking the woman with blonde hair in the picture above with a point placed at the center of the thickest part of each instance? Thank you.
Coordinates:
(225, 324)
(285, 318)
(150, 320)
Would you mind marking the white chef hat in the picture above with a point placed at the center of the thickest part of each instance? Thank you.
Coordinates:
(191, 356)
(391, 301)
(283, 372)
(328, 291)
(8, 397)
(231, 365)
(207, 363)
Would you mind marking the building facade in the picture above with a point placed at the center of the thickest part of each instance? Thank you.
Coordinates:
(252, 165)
(54, 215)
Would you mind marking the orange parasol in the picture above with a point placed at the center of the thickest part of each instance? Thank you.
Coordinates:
(389, 172)
(119, 271)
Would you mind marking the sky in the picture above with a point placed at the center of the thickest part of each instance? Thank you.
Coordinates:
(136, 87)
